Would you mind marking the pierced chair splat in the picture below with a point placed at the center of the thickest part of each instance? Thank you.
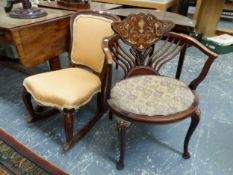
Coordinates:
(69, 89)
(141, 46)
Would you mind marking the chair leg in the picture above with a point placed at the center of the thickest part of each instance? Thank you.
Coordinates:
(28, 104)
(195, 118)
(110, 115)
(69, 125)
(39, 109)
(72, 139)
(121, 132)
(100, 102)
(108, 87)
(38, 113)
(116, 66)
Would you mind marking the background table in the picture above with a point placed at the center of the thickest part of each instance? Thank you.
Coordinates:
(93, 6)
(183, 24)
(144, 3)
(40, 39)
(37, 40)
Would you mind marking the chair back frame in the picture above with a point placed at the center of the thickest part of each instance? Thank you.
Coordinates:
(102, 75)
(141, 33)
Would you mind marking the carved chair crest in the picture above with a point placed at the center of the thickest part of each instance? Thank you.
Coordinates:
(141, 30)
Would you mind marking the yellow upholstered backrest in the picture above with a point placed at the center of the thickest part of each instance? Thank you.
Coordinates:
(88, 32)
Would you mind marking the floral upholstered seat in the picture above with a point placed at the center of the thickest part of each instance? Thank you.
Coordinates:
(152, 95)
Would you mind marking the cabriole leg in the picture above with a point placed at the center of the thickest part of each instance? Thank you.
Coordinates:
(121, 132)
(195, 118)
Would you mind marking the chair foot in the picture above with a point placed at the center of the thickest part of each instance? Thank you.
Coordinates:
(31, 119)
(186, 155)
(66, 146)
(120, 165)
(82, 132)
(195, 118)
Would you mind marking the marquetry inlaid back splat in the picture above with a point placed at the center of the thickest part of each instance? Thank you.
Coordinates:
(141, 31)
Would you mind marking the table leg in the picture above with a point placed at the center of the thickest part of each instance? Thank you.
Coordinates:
(54, 63)
(183, 7)
(14, 64)
(207, 22)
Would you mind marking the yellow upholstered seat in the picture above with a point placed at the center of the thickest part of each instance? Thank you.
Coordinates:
(66, 88)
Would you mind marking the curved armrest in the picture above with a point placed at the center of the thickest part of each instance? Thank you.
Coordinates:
(106, 49)
(211, 56)
(192, 41)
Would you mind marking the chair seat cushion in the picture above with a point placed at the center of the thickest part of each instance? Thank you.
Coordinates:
(67, 88)
(152, 95)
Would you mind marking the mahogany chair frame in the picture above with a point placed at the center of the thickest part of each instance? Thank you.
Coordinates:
(147, 61)
(39, 113)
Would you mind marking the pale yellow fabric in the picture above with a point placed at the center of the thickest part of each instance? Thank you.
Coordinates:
(88, 33)
(152, 95)
(66, 88)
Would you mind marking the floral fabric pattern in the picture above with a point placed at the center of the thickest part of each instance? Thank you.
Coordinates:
(152, 95)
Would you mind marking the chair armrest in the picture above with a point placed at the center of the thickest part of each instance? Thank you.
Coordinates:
(106, 50)
(211, 56)
(192, 41)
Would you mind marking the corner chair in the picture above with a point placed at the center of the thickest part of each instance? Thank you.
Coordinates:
(141, 46)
